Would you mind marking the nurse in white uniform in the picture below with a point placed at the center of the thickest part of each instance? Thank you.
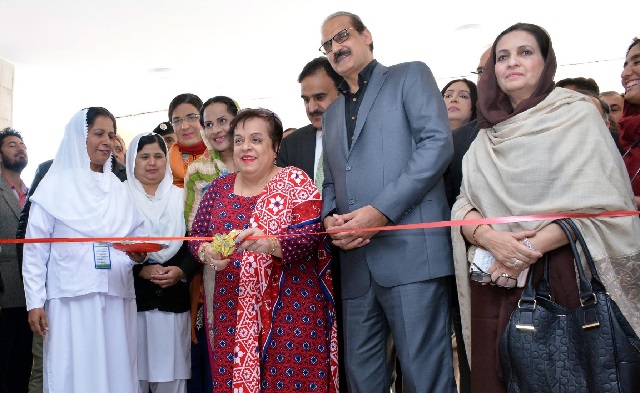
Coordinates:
(80, 296)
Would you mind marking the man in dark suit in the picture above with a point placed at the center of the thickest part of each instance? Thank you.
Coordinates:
(386, 146)
(318, 89)
(303, 149)
(15, 333)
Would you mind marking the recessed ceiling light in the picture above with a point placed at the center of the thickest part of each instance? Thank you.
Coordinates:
(470, 26)
(160, 70)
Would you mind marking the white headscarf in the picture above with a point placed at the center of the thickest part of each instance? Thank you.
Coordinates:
(92, 203)
(163, 212)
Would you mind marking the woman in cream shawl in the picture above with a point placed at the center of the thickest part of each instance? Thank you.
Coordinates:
(539, 150)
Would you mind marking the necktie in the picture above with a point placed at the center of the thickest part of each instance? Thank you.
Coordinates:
(319, 177)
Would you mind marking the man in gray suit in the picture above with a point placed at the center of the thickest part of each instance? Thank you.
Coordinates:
(15, 333)
(386, 146)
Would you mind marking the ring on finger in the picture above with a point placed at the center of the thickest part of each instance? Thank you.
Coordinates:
(517, 263)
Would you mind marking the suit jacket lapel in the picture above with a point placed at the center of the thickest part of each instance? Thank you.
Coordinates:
(374, 85)
(342, 126)
(9, 196)
(308, 150)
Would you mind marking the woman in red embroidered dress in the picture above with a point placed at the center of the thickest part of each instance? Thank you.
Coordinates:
(273, 325)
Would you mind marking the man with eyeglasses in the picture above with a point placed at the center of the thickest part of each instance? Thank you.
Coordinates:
(386, 145)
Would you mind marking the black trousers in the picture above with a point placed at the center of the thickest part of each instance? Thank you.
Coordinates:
(337, 297)
(15, 350)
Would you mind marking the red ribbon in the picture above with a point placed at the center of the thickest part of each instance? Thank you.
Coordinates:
(423, 225)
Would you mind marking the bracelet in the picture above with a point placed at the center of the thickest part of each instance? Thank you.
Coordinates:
(528, 244)
(475, 241)
(274, 245)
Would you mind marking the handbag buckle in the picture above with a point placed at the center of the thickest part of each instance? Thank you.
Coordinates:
(590, 312)
(535, 303)
(528, 327)
(583, 302)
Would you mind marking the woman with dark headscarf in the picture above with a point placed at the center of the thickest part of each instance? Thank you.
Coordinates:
(80, 296)
(539, 150)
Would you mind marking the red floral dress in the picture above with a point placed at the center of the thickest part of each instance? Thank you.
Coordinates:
(296, 318)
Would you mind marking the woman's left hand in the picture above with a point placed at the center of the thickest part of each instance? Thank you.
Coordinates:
(512, 266)
(498, 270)
(511, 254)
(137, 257)
(260, 246)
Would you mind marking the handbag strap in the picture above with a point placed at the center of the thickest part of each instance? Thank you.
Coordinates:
(586, 291)
(528, 303)
(596, 282)
(588, 299)
(544, 289)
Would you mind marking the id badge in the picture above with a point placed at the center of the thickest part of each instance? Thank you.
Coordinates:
(101, 256)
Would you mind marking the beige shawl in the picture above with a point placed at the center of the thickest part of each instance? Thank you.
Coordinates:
(555, 157)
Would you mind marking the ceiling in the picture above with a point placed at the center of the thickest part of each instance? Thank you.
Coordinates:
(134, 56)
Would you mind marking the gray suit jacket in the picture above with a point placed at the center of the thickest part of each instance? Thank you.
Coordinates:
(13, 295)
(299, 150)
(400, 150)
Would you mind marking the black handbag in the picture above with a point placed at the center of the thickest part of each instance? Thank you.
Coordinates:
(590, 349)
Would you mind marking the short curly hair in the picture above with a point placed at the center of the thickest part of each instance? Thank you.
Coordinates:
(7, 132)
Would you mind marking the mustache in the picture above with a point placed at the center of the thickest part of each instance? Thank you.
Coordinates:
(341, 52)
(317, 112)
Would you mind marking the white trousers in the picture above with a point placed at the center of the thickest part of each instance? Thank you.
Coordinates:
(177, 386)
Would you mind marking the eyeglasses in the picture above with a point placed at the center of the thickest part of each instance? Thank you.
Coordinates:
(340, 37)
(189, 118)
(478, 71)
